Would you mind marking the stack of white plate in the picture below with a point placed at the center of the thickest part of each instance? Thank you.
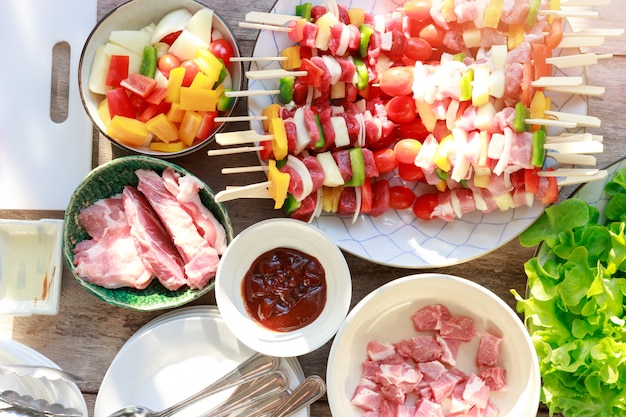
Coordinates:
(173, 357)
(58, 391)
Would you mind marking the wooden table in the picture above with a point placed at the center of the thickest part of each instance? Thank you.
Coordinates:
(87, 333)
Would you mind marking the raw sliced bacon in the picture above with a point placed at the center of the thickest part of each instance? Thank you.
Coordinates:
(200, 258)
(111, 260)
(154, 244)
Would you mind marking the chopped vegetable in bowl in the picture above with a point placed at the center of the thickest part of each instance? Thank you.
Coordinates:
(574, 306)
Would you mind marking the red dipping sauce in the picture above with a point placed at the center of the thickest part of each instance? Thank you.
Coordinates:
(285, 289)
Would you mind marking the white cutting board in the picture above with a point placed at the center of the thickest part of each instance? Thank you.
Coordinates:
(41, 161)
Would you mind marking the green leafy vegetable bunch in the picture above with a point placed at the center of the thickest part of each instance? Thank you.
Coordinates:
(574, 306)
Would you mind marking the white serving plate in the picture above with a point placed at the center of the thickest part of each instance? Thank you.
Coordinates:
(397, 238)
(58, 391)
(173, 357)
(384, 315)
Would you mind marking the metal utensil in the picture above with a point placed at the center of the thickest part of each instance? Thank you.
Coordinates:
(254, 367)
(265, 388)
(37, 371)
(310, 390)
(40, 406)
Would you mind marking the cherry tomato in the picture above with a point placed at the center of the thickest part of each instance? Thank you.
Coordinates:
(425, 205)
(415, 130)
(397, 81)
(401, 197)
(410, 172)
(167, 63)
(401, 109)
(385, 160)
(418, 9)
(191, 69)
(418, 49)
(406, 150)
(433, 34)
(222, 49)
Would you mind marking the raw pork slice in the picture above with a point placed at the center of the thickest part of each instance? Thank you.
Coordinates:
(110, 258)
(200, 258)
(153, 243)
(186, 189)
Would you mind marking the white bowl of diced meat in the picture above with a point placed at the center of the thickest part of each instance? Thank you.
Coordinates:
(144, 234)
(433, 345)
(153, 76)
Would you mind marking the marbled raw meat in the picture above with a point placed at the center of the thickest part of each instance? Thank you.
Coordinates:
(186, 189)
(154, 244)
(110, 259)
(200, 258)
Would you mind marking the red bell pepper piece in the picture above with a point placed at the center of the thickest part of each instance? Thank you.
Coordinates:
(531, 180)
(157, 95)
(314, 73)
(139, 84)
(366, 196)
(118, 70)
(552, 192)
(206, 125)
(120, 103)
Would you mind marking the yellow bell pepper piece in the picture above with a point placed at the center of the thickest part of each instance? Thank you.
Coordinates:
(198, 99)
(294, 61)
(447, 10)
(189, 127)
(356, 15)
(162, 128)
(427, 115)
(330, 198)
(167, 147)
(441, 186)
(201, 80)
(493, 11)
(103, 112)
(515, 35)
(175, 114)
(174, 84)
(270, 111)
(279, 143)
(537, 107)
(209, 64)
(131, 132)
(442, 153)
(279, 183)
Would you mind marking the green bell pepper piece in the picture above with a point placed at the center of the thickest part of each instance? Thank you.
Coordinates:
(225, 103)
(223, 74)
(357, 165)
(465, 85)
(362, 73)
(304, 10)
(285, 86)
(531, 18)
(148, 64)
(538, 153)
(291, 204)
(322, 140)
(521, 114)
(366, 33)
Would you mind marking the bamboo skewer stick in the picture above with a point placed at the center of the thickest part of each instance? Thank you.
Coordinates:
(580, 42)
(250, 93)
(584, 90)
(572, 159)
(580, 120)
(578, 60)
(226, 119)
(258, 190)
(273, 73)
(570, 13)
(261, 26)
(242, 170)
(581, 179)
(230, 151)
(270, 18)
(242, 137)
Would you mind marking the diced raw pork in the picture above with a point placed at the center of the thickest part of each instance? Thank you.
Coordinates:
(432, 370)
(154, 245)
(488, 350)
(430, 317)
(458, 327)
(476, 392)
(494, 377)
(366, 399)
(404, 376)
(450, 348)
(427, 408)
(200, 258)
(426, 348)
(378, 351)
(443, 386)
(110, 259)
(186, 189)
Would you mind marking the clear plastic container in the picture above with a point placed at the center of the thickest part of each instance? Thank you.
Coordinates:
(30, 266)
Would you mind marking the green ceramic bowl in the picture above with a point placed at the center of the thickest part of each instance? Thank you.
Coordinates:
(105, 181)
